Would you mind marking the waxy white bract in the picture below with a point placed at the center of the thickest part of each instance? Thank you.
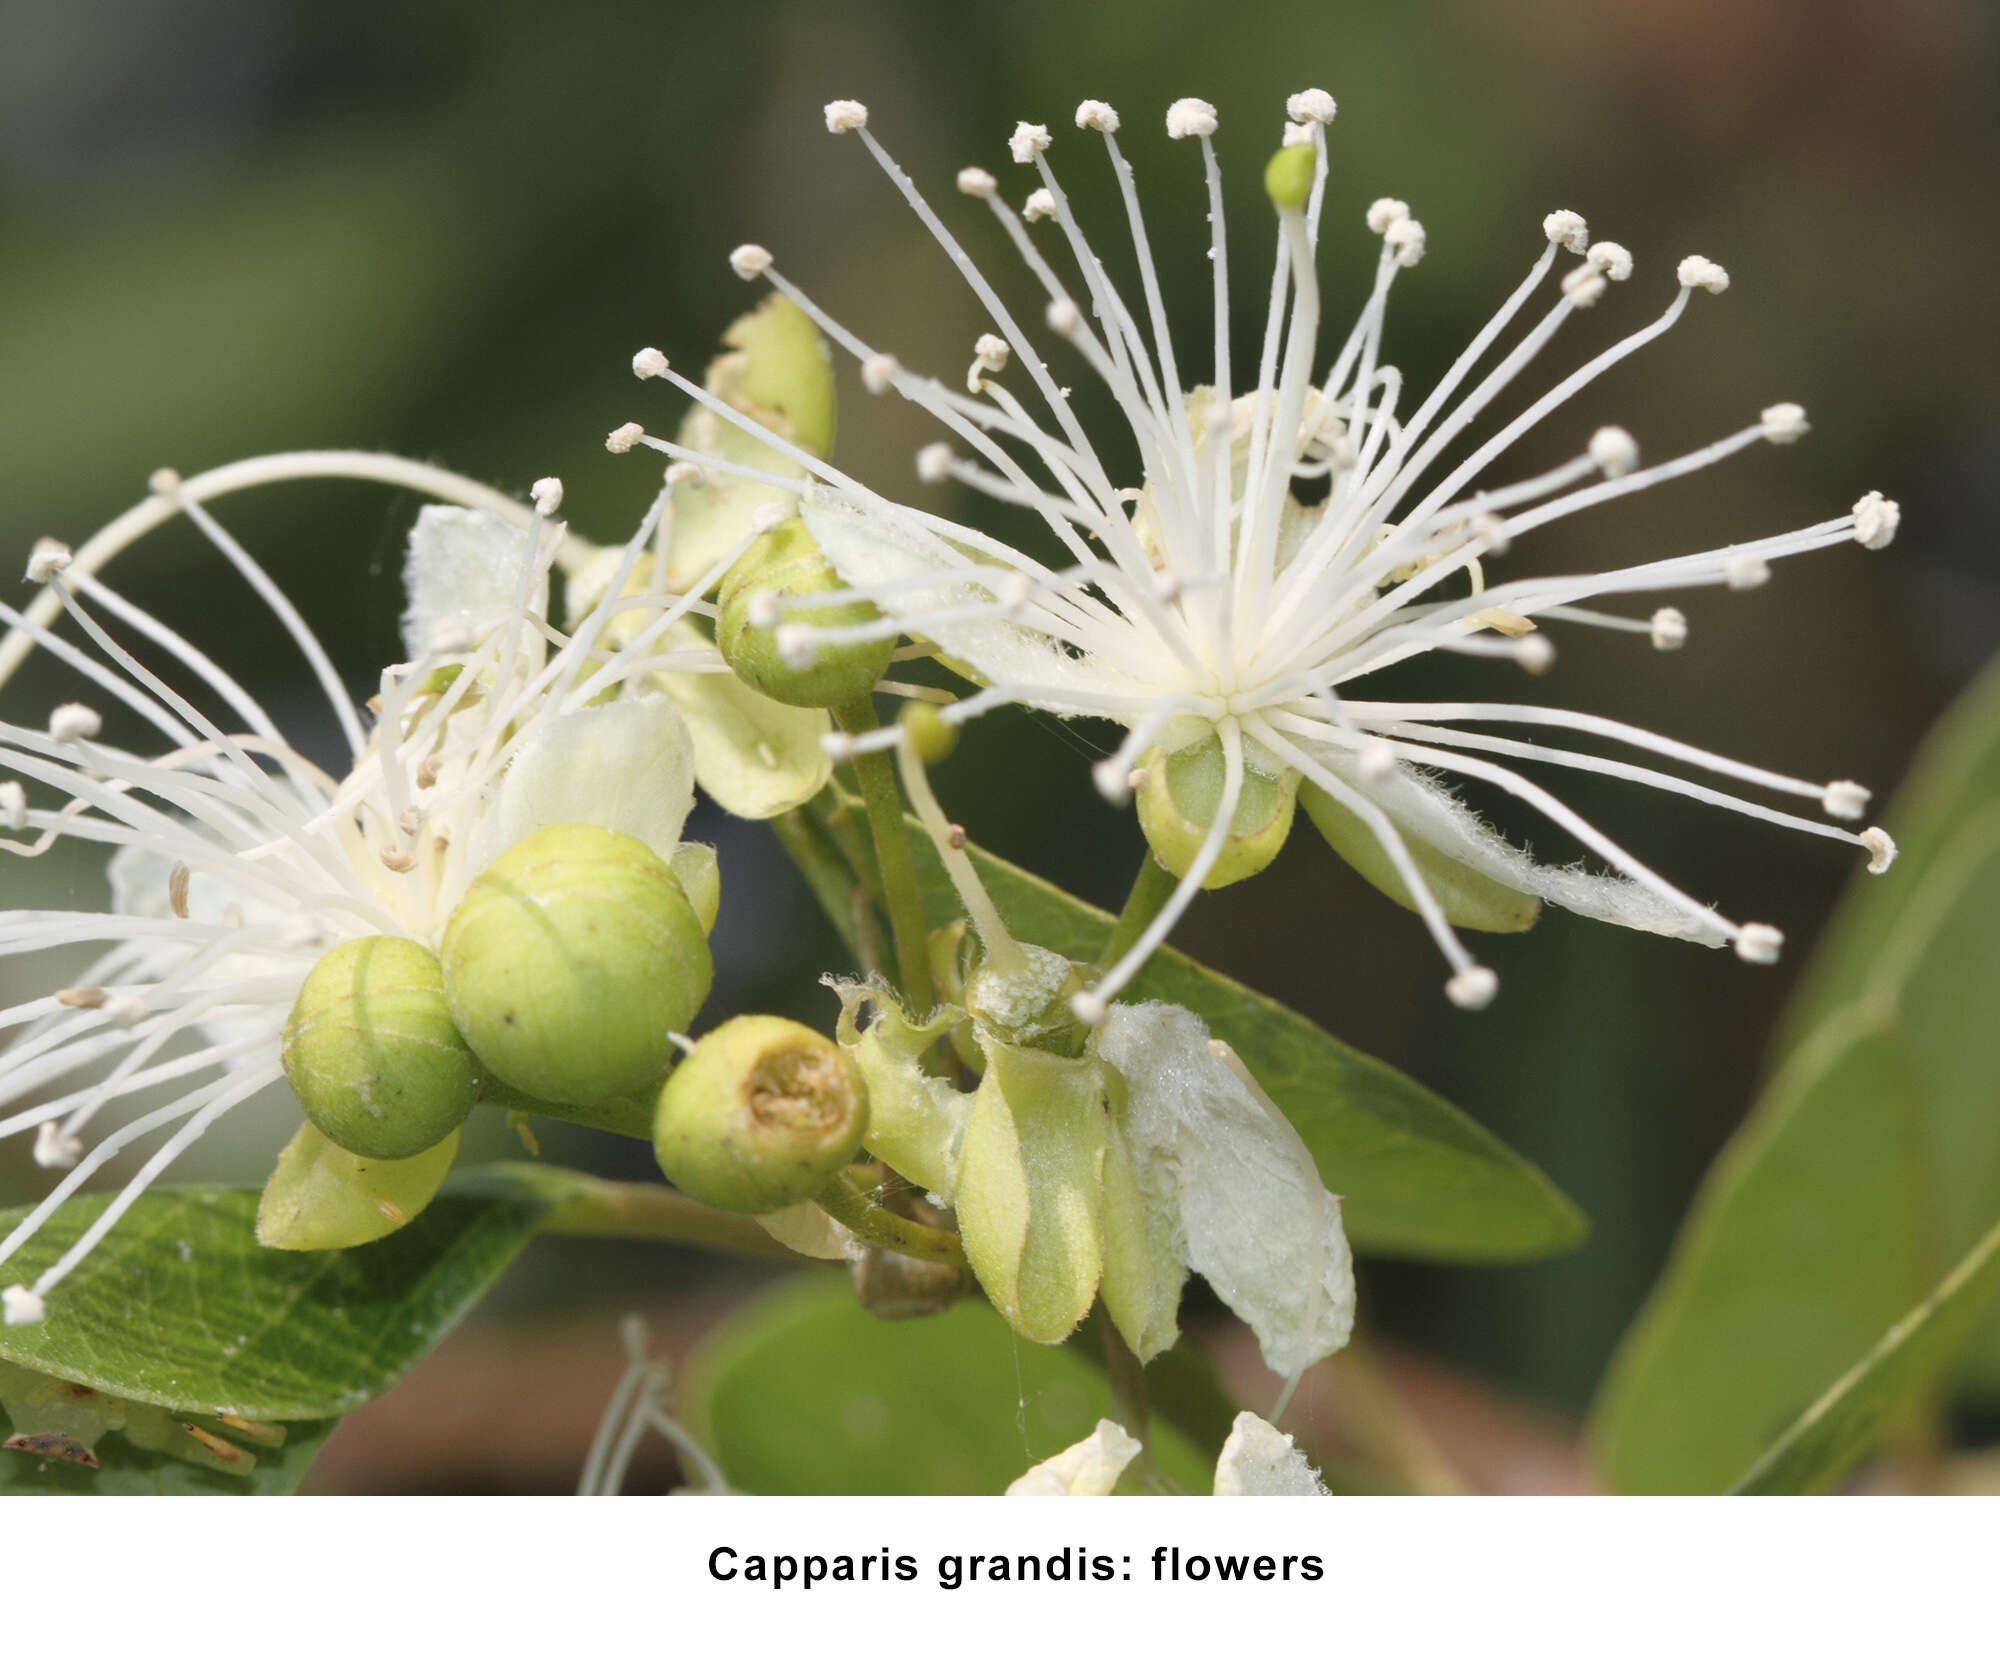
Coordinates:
(237, 862)
(1210, 600)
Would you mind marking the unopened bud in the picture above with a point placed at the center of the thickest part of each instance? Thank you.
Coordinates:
(572, 963)
(788, 564)
(372, 1052)
(1180, 796)
(759, 1115)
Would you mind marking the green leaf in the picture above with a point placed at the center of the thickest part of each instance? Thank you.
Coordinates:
(1416, 1176)
(1955, 775)
(805, 1391)
(179, 1306)
(128, 1472)
(1845, 1423)
(1869, 1167)
(1799, 1252)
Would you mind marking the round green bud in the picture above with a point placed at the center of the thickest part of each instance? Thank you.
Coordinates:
(760, 1115)
(372, 1053)
(779, 655)
(1179, 799)
(1288, 176)
(571, 963)
(933, 736)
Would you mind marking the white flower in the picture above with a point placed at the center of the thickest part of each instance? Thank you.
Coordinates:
(236, 862)
(1211, 604)
(1257, 1461)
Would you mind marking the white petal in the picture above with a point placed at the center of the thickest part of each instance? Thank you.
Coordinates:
(1254, 1219)
(462, 571)
(1425, 809)
(1089, 1469)
(1259, 1461)
(625, 766)
(868, 546)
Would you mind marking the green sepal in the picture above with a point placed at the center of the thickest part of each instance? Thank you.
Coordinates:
(1467, 898)
(915, 1121)
(1030, 1188)
(322, 1197)
(1181, 795)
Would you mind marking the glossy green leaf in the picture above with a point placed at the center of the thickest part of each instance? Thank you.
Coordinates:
(1870, 1166)
(1416, 1176)
(805, 1391)
(179, 1306)
(127, 1472)
(1845, 1424)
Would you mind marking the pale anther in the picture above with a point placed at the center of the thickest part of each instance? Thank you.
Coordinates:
(1881, 850)
(1472, 988)
(13, 805)
(762, 610)
(54, 1149)
(976, 181)
(1695, 271)
(1063, 317)
(1584, 286)
(795, 645)
(75, 723)
(1089, 1007)
(1378, 759)
(1191, 118)
(683, 472)
(1875, 520)
(1384, 212)
(48, 559)
(1406, 237)
(1759, 942)
(1670, 629)
(1039, 205)
(125, 1010)
(1567, 230)
(1611, 258)
(547, 495)
(1030, 140)
(21, 1306)
(163, 481)
(1845, 799)
(1746, 571)
(878, 374)
(934, 462)
(749, 261)
(1784, 423)
(845, 115)
(649, 362)
(1535, 653)
(1314, 105)
(1491, 529)
(1614, 451)
(622, 438)
(1097, 115)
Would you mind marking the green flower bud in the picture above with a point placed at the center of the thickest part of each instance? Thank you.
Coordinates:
(759, 1115)
(572, 962)
(933, 736)
(787, 564)
(1179, 799)
(1288, 177)
(372, 1053)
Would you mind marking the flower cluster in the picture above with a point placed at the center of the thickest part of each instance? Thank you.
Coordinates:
(1278, 543)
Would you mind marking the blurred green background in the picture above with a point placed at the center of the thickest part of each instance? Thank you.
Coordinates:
(234, 226)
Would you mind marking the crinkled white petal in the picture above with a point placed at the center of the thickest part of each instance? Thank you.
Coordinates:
(1089, 1469)
(869, 547)
(1253, 1217)
(1259, 1461)
(1423, 807)
(626, 766)
(462, 573)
